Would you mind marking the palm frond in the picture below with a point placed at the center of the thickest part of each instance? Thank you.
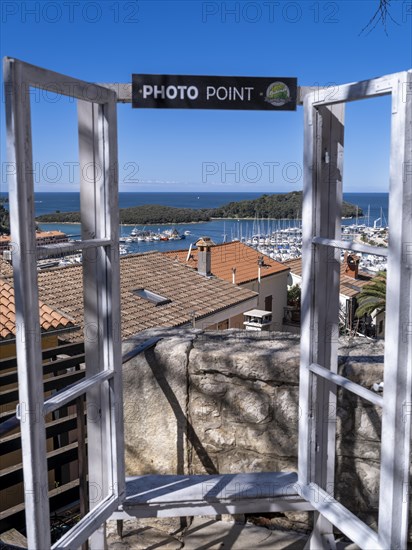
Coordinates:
(372, 297)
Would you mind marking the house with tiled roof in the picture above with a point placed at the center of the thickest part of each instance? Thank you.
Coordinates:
(53, 322)
(156, 291)
(54, 325)
(239, 264)
(351, 283)
(42, 237)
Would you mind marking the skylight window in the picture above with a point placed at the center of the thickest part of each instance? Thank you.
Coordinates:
(156, 299)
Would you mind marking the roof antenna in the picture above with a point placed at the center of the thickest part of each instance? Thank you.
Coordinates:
(189, 253)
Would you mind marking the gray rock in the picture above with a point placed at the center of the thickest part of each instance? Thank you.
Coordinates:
(228, 402)
(155, 399)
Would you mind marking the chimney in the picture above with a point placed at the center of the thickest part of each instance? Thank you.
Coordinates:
(261, 263)
(204, 256)
(234, 275)
(351, 265)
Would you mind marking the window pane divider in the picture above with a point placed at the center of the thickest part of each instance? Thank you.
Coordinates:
(49, 250)
(75, 390)
(351, 245)
(347, 384)
(350, 525)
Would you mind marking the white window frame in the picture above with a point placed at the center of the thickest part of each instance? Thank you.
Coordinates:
(97, 118)
(323, 167)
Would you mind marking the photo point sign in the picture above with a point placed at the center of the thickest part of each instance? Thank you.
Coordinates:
(151, 91)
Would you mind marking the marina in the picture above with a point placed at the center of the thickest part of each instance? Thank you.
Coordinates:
(281, 240)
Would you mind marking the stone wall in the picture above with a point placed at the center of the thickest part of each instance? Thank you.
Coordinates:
(224, 402)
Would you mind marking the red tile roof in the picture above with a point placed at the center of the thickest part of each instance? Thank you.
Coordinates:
(190, 294)
(50, 319)
(57, 236)
(237, 255)
(349, 286)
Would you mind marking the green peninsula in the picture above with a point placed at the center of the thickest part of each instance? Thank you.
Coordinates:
(279, 206)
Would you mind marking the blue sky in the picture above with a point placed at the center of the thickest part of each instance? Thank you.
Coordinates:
(171, 150)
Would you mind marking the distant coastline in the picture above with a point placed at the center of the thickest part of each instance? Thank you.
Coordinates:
(282, 206)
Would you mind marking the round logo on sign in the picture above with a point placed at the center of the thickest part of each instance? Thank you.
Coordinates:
(277, 94)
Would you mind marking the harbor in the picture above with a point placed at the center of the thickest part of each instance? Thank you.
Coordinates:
(281, 240)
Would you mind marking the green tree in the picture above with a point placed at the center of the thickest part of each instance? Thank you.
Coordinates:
(4, 220)
(294, 294)
(372, 296)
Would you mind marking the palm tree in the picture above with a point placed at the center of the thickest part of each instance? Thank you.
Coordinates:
(372, 296)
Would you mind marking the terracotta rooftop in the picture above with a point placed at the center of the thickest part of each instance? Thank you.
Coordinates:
(349, 286)
(185, 291)
(50, 319)
(39, 235)
(235, 254)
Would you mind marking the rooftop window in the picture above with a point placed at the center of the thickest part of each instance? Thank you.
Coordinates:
(156, 299)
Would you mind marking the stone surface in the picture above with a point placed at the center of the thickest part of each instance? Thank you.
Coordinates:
(207, 533)
(139, 535)
(219, 535)
(155, 398)
(227, 402)
(249, 357)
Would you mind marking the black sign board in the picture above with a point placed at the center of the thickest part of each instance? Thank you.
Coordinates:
(152, 91)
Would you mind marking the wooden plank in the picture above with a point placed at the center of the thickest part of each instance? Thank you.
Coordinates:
(203, 508)
(354, 91)
(123, 90)
(180, 495)
(48, 368)
(54, 383)
(65, 349)
(21, 197)
(14, 474)
(57, 83)
(62, 425)
(161, 489)
(58, 497)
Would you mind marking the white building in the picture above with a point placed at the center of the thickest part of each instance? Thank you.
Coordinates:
(244, 266)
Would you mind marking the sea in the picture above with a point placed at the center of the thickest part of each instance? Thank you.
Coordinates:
(373, 205)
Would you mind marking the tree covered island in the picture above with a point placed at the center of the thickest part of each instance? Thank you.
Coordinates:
(279, 206)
